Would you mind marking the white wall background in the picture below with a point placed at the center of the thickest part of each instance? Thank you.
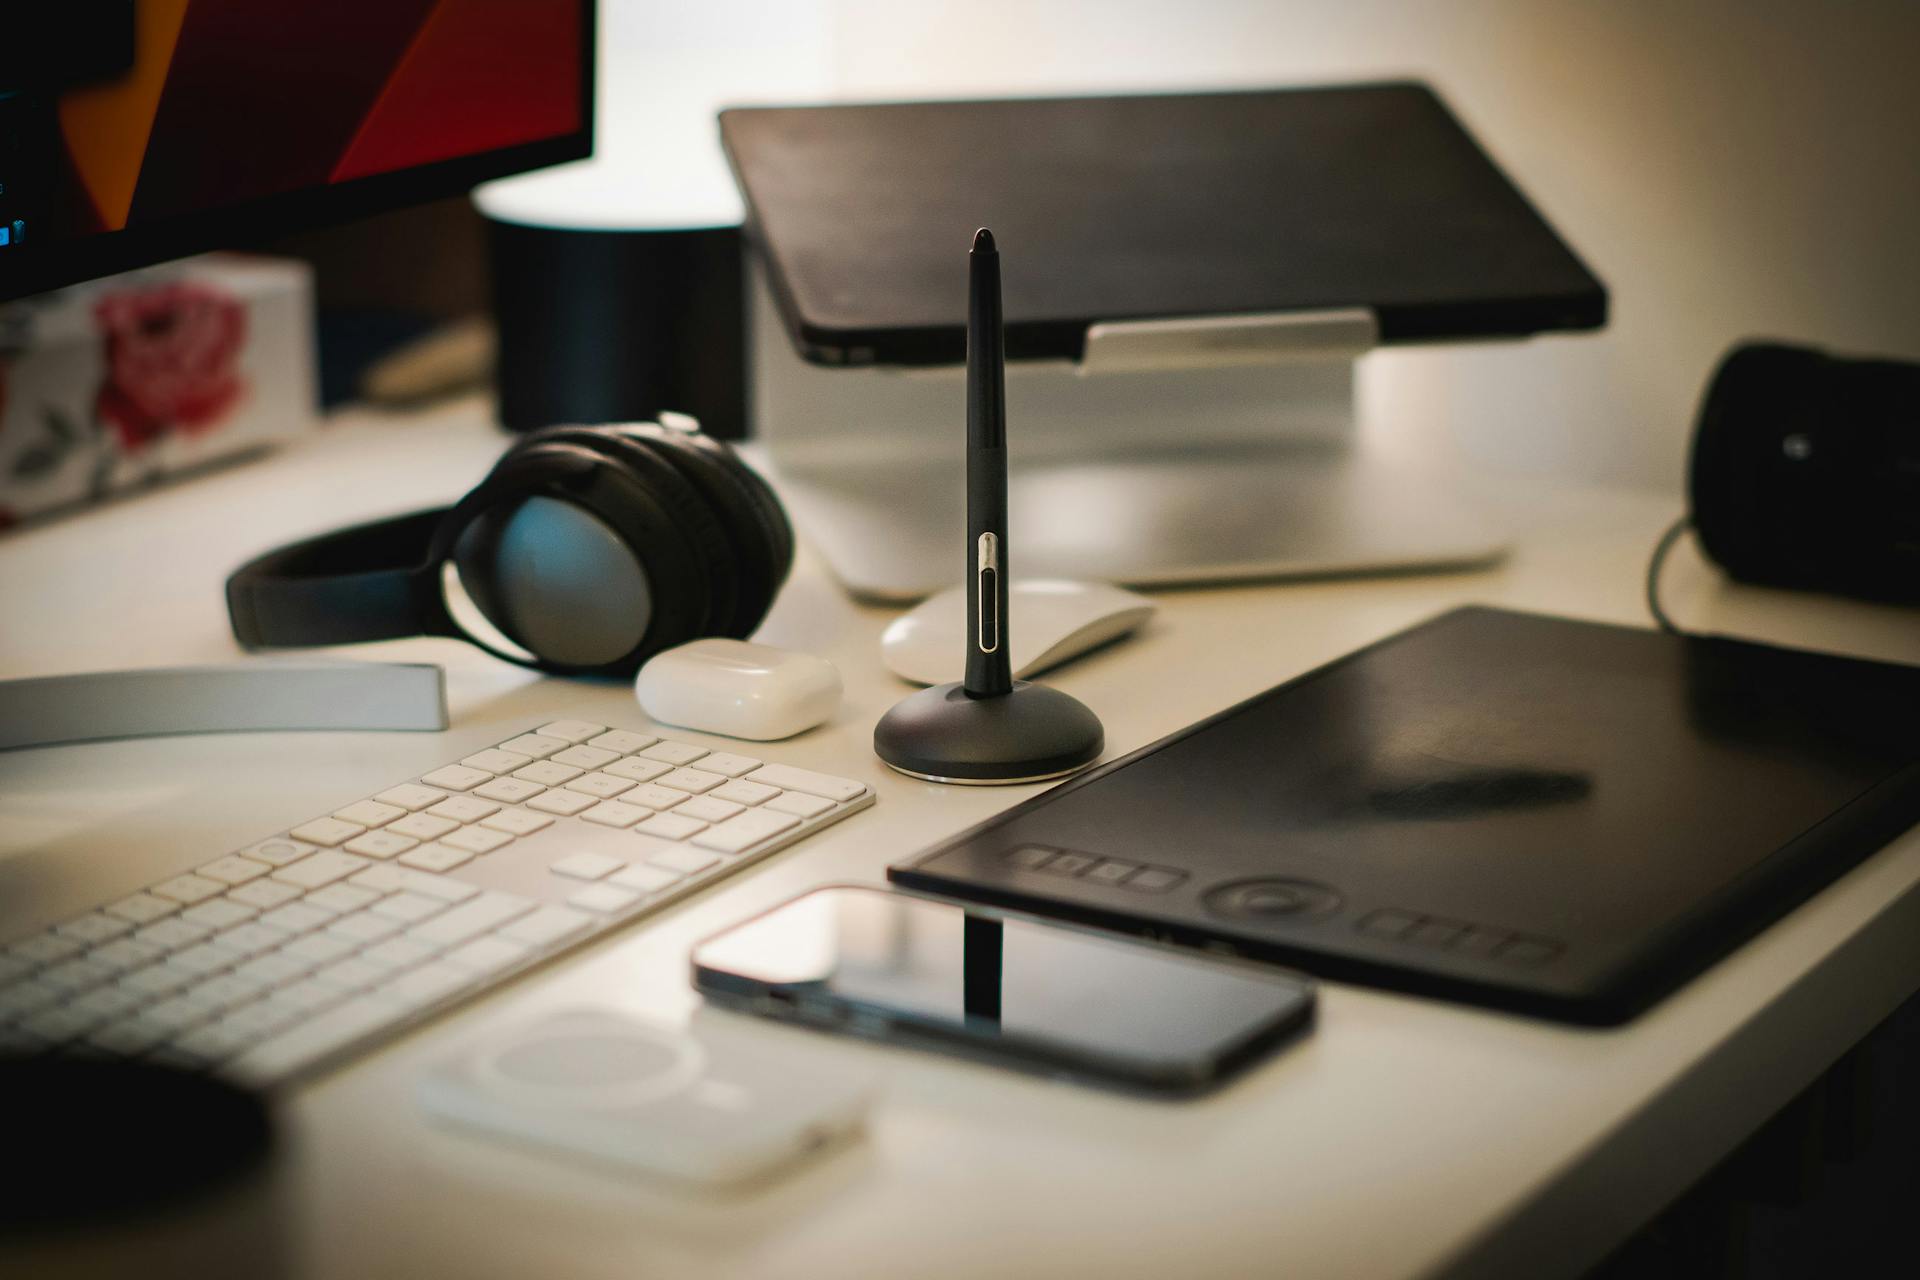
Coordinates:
(1728, 168)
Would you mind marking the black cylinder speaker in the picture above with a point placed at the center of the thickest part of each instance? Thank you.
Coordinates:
(619, 325)
(1806, 472)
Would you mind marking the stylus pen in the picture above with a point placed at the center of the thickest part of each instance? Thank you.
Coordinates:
(989, 673)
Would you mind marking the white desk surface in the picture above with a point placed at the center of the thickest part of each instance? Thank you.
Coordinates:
(1402, 1137)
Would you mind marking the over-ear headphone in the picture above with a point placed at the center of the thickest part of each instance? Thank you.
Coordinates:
(587, 549)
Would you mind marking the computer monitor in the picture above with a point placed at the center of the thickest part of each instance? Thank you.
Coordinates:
(133, 131)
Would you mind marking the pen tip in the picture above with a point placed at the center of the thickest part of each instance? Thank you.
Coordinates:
(983, 241)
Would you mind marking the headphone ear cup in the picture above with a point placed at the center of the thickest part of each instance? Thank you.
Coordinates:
(757, 530)
(653, 477)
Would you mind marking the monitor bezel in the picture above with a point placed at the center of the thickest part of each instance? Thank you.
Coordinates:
(249, 223)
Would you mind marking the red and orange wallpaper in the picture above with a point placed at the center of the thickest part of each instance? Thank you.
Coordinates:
(232, 100)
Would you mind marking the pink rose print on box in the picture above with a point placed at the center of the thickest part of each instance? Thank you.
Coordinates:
(173, 361)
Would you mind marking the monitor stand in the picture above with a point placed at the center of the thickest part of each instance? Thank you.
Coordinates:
(1175, 452)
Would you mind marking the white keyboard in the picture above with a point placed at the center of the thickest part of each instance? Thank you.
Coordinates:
(293, 951)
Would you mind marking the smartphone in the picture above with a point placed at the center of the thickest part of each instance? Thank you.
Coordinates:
(1003, 987)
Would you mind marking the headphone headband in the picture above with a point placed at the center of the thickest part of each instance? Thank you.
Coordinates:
(373, 581)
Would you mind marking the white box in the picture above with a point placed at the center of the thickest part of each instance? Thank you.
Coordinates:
(122, 381)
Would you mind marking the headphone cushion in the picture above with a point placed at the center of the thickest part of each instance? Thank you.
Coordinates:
(756, 525)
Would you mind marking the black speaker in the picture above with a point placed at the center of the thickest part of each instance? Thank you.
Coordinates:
(1806, 472)
(619, 325)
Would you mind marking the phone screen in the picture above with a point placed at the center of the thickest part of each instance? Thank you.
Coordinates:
(1034, 990)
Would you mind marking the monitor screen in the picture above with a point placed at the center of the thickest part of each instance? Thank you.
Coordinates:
(137, 130)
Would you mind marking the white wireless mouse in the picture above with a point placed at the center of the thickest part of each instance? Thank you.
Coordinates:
(1049, 620)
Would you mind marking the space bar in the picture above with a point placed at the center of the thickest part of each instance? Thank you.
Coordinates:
(270, 1060)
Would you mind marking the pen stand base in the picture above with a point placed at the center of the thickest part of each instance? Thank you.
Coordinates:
(1033, 734)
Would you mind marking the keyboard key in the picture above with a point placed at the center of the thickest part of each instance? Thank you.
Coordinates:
(750, 828)
(622, 742)
(380, 844)
(674, 752)
(431, 982)
(341, 898)
(277, 852)
(142, 908)
(604, 785)
(12, 967)
(421, 826)
(126, 953)
(297, 917)
(456, 777)
(172, 934)
(548, 774)
(179, 1013)
(638, 770)
(203, 958)
(476, 839)
(155, 980)
(704, 809)
(441, 887)
(369, 813)
(508, 790)
(604, 899)
(740, 791)
(495, 760)
(488, 954)
(353, 974)
(645, 879)
(534, 745)
(380, 879)
(320, 948)
(798, 803)
(363, 927)
(255, 1020)
(59, 1024)
(654, 797)
(686, 862)
(788, 778)
(547, 926)
(234, 869)
(464, 809)
(408, 908)
(218, 913)
(327, 831)
(303, 1001)
(265, 894)
(694, 780)
(250, 939)
(471, 919)
(307, 1042)
(127, 1038)
(188, 889)
(517, 822)
(586, 866)
(320, 869)
(213, 1043)
(95, 928)
(411, 796)
(225, 990)
(25, 997)
(564, 803)
(731, 765)
(106, 1003)
(671, 826)
(435, 857)
(397, 953)
(571, 730)
(275, 969)
(46, 948)
(584, 757)
(71, 977)
(612, 813)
